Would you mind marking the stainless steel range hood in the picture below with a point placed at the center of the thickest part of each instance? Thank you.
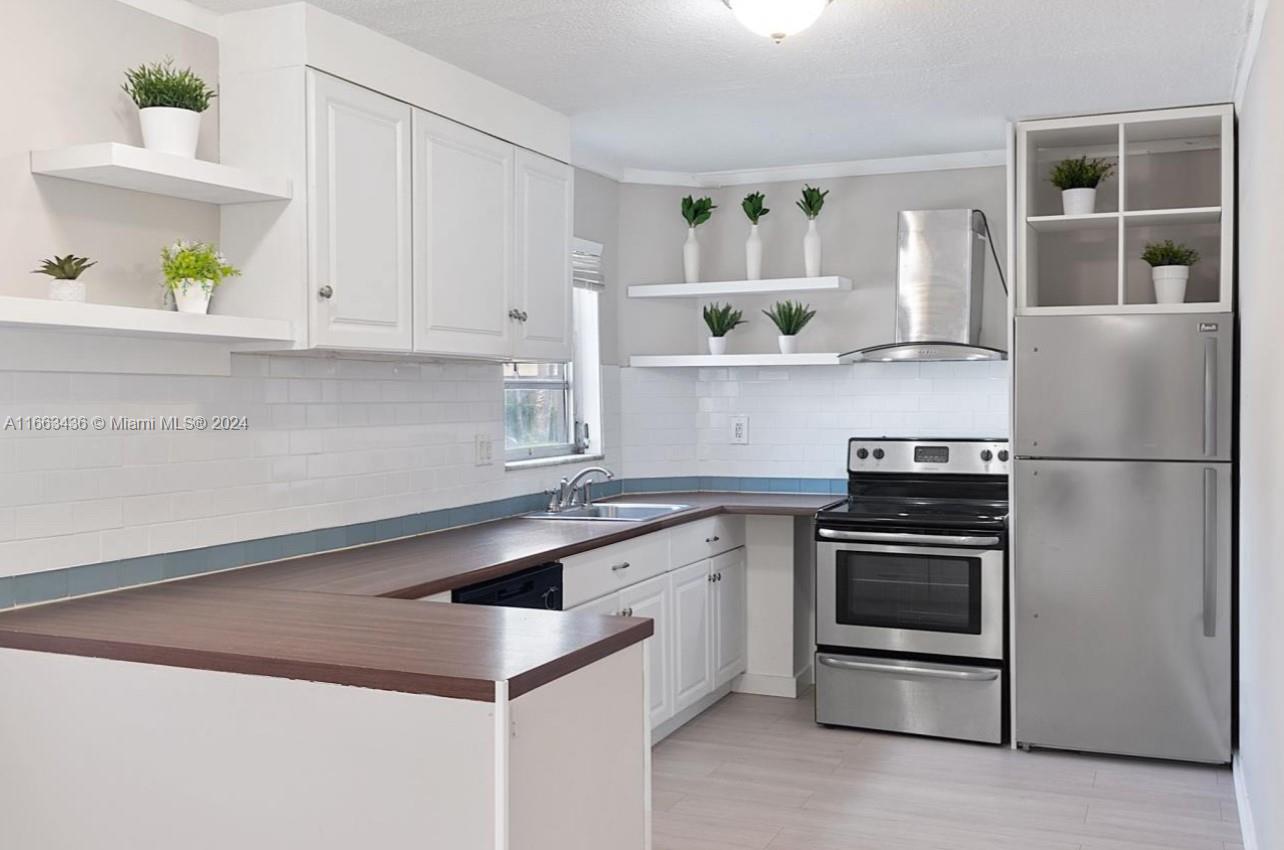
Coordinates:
(940, 282)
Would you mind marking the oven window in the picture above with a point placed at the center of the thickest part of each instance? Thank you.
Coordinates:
(903, 591)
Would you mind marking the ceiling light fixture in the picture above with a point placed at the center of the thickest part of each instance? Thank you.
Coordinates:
(777, 19)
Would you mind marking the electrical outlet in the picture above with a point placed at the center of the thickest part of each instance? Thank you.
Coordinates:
(483, 450)
(740, 430)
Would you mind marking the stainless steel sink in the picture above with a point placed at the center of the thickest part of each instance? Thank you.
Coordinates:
(612, 512)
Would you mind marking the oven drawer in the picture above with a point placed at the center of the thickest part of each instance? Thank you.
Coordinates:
(919, 697)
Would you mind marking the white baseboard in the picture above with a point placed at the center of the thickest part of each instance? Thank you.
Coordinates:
(1247, 830)
(763, 684)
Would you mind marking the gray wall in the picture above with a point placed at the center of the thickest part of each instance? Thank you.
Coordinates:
(858, 228)
(1261, 209)
(65, 90)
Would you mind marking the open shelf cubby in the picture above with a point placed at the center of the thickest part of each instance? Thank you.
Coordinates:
(1173, 179)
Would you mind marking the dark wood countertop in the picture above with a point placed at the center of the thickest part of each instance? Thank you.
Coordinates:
(428, 564)
(458, 651)
(342, 616)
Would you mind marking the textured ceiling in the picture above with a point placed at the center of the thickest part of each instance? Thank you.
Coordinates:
(679, 85)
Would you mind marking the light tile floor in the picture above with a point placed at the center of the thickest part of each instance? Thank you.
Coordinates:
(756, 773)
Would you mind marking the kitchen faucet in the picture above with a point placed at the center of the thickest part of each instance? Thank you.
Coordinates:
(570, 493)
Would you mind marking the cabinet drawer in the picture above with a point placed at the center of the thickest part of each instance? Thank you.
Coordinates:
(705, 538)
(592, 574)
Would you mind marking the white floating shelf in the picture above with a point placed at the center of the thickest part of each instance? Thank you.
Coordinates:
(1059, 223)
(1192, 215)
(657, 361)
(141, 170)
(740, 287)
(40, 314)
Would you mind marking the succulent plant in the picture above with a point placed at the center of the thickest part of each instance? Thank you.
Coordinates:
(159, 84)
(753, 206)
(1169, 253)
(813, 201)
(697, 210)
(790, 316)
(69, 267)
(1081, 173)
(722, 318)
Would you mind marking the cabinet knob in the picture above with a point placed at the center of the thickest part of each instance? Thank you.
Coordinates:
(326, 291)
(714, 539)
(524, 316)
(518, 315)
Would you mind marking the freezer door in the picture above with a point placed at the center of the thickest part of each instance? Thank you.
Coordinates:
(1123, 629)
(1125, 387)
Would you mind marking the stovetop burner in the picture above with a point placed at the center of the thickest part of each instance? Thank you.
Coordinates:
(923, 485)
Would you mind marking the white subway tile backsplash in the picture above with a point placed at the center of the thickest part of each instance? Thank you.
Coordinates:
(331, 442)
(800, 419)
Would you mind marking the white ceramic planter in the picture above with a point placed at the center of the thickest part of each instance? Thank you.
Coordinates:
(717, 345)
(1170, 283)
(193, 296)
(67, 290)
(788, 343)
(691, 257)
(1079, 201)
(169, 130)
(753, 254)
(811, 249)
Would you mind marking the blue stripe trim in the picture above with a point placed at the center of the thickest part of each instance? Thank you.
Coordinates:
(49, 585)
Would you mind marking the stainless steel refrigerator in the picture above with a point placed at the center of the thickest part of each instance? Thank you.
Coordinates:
(1122, 493)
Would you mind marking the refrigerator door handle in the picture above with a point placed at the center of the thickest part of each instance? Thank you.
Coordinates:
(1210, 397)
(1210, 553)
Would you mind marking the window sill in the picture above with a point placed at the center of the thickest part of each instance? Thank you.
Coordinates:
(560, 460)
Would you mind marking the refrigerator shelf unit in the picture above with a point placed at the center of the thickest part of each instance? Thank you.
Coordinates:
(1173, 179)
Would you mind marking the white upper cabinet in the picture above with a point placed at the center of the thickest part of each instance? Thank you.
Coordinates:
(463, 239)
(360, 222)
(542, 281)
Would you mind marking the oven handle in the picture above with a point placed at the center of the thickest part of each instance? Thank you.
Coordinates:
(927, 672)
(890, 537)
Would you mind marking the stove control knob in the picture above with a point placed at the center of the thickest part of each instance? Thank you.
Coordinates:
(878, 454)
(1003, 455)
(987, 455)
(862, 453)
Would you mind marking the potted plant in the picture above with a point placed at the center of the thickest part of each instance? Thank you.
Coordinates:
(722, 319)
(1078, 180)
(170, 103)
(696, 211)
(754, 210)
(813, 200)
(790, 317)
(64, 272)
(192, 271)
(1170, 269)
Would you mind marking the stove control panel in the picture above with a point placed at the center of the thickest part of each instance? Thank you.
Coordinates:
(957, 457)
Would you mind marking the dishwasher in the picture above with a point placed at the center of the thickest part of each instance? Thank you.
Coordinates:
(537, 587)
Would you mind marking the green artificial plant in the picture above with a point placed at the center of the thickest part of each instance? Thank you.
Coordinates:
(753, 206)
(790, 317)
(722, 318)
(1169, 253)
(697, 210)
(69, 267)
(194, 262)
(1081, 173)
(161, 84)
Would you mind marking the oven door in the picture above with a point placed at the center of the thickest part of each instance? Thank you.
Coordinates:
(906, 597)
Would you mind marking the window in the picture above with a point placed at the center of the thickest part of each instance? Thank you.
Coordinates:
(554, 410)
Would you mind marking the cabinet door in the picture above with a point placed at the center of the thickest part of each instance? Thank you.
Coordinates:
(654, 599)
(542, 283)
(608, 605)
(692, 655)
(463, 239)
(359, 218)
(730, 613)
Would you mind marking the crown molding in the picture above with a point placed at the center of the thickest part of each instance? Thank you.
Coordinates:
(787, 173)
(1245, 70)
(180, 12)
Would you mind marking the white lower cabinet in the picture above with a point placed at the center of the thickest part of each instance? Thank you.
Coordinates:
(729, 604)
(700, 612)
(692, 656)
(654, 599)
